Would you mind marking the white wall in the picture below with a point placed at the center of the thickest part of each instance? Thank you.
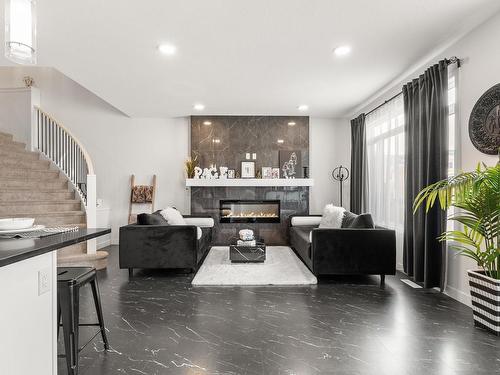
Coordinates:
(119, 145)
(15, 112)
(478, 73)
(327, 149)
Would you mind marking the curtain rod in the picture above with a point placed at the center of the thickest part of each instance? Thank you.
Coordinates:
(450, 61)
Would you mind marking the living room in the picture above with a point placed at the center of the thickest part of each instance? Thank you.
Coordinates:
(240, 178)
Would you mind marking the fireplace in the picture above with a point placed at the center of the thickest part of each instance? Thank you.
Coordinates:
(249, 211)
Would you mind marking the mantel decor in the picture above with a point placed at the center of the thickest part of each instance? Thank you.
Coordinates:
(484, 122)
(247, 169)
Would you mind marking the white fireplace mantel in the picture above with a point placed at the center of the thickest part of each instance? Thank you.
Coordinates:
(236, 182)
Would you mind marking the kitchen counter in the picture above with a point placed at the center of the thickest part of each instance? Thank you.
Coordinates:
(18, 249)
(28, 295)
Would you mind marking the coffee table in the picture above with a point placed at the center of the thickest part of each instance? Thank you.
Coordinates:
(247, 254)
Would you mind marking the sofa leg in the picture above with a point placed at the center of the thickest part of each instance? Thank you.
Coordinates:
(382, 281)
(130, 272)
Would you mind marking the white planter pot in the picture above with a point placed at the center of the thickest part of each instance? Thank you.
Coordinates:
(485, 293)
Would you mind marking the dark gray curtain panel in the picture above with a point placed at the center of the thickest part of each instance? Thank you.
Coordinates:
(358, 165)
(426, 133)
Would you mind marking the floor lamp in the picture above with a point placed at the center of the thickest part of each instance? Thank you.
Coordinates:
(340, 174)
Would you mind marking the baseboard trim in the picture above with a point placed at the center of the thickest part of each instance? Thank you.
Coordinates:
(411, 283)
(459, 295)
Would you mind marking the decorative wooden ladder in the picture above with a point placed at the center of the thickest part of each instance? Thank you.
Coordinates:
(132, 218)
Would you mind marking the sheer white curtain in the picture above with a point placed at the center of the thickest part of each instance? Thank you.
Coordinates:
(385, 169)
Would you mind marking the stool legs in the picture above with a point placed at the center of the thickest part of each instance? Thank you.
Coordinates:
(69, 297)
(97, 302)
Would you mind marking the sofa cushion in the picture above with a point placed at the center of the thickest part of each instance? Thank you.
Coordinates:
(332, 217)
(299, 241)
(172, 216)
(151, 219)
(352, 220)
(304, 233)
(204, 243)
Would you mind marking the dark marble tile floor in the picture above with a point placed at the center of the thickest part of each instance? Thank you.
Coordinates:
(159, 324)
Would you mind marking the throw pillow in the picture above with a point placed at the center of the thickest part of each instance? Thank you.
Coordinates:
(363, 221)
(172, 216)
(151, 219)
(348, 219)
(351, 220)
(332, 217)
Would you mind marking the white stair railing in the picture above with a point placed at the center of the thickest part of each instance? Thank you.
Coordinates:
(57, 143)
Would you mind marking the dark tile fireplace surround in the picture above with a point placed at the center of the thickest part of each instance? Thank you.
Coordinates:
(238, 135)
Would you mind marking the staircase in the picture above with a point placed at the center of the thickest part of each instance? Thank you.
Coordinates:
(31, 186)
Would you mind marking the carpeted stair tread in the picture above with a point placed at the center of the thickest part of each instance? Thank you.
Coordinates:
(29, 173)
(30, 186)
(97, 260)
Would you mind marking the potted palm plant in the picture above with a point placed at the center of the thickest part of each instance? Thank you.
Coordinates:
(476, 195)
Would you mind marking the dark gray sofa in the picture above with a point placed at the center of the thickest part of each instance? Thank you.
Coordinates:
(345, 251)
(163, 246)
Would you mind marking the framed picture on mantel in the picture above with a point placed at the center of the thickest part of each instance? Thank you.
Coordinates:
(290, 164)
(247, 169)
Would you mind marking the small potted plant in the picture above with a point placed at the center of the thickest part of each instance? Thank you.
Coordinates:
(190, 164)
(476, 195)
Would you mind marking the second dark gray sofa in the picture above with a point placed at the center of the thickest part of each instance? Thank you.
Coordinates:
(345, 251)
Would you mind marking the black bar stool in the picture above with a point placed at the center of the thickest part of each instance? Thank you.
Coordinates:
(69, 281)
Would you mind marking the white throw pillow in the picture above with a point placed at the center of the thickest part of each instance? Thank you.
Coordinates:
(172, 216)
(332, 217)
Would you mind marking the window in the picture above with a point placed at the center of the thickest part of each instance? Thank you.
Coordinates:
(385, 142)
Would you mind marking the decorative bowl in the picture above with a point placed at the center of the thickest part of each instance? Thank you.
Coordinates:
(16, 223)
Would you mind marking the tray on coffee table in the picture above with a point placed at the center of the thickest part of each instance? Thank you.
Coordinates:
(247, 254)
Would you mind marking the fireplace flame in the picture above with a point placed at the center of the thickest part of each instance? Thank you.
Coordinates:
(250, 214)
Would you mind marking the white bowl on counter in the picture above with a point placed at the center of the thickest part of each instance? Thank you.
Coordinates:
(16, 223)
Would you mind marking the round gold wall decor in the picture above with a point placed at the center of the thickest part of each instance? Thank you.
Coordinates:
(484, 122)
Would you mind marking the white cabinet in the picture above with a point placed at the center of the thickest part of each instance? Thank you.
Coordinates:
(103, 220)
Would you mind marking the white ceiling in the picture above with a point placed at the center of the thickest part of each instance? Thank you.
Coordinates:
(244, 57)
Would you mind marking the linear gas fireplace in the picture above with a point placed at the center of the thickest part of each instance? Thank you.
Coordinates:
(249, 211)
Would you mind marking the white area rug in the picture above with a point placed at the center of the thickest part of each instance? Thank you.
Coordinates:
(282, 267)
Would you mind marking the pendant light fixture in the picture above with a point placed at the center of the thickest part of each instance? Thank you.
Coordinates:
(20, 31)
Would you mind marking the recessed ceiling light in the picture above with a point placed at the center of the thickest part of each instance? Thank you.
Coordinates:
(281, 141)
(216, 140)
(167, 49)
(342, 50)
(199, 107)
(303, 107)
(207, 123)
(291, 123)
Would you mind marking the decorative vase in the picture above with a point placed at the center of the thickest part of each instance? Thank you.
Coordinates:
(485, 294)
(305, 173)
